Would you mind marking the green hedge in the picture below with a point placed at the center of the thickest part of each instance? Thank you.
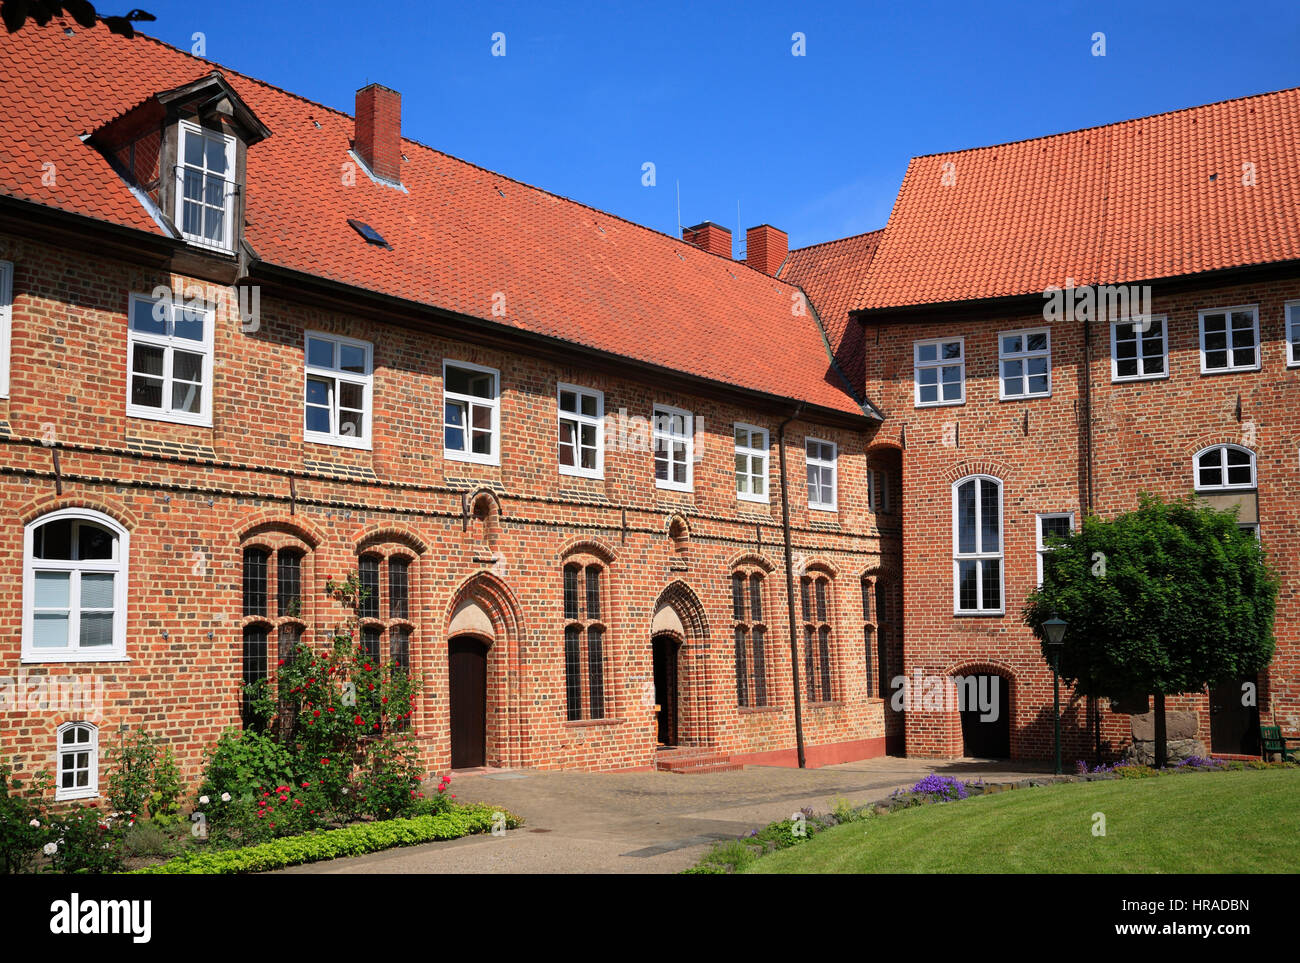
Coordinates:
(331, 844)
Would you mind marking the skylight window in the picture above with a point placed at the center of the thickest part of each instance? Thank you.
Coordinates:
(369, 233)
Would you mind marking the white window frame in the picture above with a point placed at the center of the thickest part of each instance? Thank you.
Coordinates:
(833, 464)
(91, 748)
(118, 567)
(940, 363)
(335, 374)
(1038, 536)
(749, 452)
(170, 343)
(6, 322)
(1023, 356)
(579, 419)
(660, 416)
(189, 129)
(878, 490)
(493, 404)
(1291, 329)
(1227, 313)
(1140, 357)
(1223, 467)
(978, 555)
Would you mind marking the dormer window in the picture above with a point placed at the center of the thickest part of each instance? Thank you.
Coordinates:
(205, 186)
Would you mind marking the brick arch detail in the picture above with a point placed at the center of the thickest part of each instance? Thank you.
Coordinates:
(755, 559)
(817, 564)
(980, 466)
(884, 444)
(1214, 440)
(587, 545)
(686, 603)
(507, 738)
(295, 525)
(45, 504)
(989, 667)
(390, 532)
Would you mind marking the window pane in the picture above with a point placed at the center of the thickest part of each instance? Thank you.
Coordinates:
(927, 352)
(810, 680)
(352, 396)
(320, 354)
(820, 586)
(187, 323)
(572, 673)
(53, 590)
(94, 542)
(352, 358)
(97, 591)
(352, 423)
(759, 669)
(370, 638)
(255, 575)
(966, 517)
(149, 316)
(990, 536)
(288, 577)
(596, 672)
(454, 435)
(593, 592)
(825, 653)
(50, 630)
(398, 587)
(96, 629)
(187, 396)
(738, 597)
(967, 597)
(742, 671)
(756, 598)
(992, 583)
(571, 592)
(53, 540)
(368, 572)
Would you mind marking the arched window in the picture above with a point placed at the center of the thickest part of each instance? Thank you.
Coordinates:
(385, 606)
(584, 640)
(1225, 468)
(815, 599)
(74, 588)
(274, 621)
(78, 761)
(750, 631)
(977, 545)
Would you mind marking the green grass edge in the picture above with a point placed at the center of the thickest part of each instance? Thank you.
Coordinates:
(356, 840)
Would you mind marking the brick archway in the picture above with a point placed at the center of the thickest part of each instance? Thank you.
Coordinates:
(679, 614)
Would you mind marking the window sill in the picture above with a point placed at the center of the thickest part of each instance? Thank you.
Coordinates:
(336, 441)
(1223, 371)
(460, 456)
(1128, 379)
(43, 658)
(587, 723)
(1048, 395)
(985, 614)
(664, 486)
(151, 414)
(574, 473)
(62, 794)
(939, 404)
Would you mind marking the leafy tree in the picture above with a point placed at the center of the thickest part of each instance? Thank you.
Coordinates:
(1167, 599)
(15, 13)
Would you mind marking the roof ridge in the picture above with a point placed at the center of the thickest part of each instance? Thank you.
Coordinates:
(461, 160)
(1113, 124)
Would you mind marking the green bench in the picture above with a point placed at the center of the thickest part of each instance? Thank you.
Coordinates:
(1272, 740)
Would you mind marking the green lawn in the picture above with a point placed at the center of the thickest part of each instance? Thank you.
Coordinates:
(1229, 822)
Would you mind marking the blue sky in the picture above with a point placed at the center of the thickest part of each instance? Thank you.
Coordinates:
(713, 97)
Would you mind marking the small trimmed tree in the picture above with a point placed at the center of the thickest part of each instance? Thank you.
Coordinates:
(1168, 599)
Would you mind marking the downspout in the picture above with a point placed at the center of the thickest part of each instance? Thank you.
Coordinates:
(1087, 498)
(789, 588)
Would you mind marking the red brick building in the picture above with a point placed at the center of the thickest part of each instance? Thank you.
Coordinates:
(613, 492)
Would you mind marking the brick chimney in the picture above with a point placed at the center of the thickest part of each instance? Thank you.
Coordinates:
(378, 139)
(709, 237)
(766, 248)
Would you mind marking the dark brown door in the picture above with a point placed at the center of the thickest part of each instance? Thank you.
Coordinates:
(665, 659)
(1234, 728)
(986, 732)
(467, 683)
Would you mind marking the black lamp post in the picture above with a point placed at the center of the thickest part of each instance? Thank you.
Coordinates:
(1054, 628)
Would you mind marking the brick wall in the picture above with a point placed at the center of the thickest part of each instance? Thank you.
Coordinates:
(1144, 437)
(193, 498)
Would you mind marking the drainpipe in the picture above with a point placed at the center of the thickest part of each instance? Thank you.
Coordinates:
(1087, 496)
(789, 588)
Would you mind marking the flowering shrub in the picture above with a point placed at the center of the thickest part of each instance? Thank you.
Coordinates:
(22, 823)
(243, 763)
(389, 784)
(85, 840)
(1199, 762)
(940, 788)
(144, 776)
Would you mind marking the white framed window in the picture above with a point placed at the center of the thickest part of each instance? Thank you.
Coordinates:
(1224, 468)
(939, 372)
(582, 431)
(471, 408)
(820, 456)
(205, 186)
(751, 463)
(878, 490)
(338, 381)
(1230, 339)
(1292, 310)
(674, 440)
(77, 755)
(1137, 355)
(74, 588)
(6, 323)
(1025, 363)
(1050, 524)
(169, 359)
(977, 545)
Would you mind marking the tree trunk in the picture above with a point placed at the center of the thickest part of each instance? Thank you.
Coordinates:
(1162, 740)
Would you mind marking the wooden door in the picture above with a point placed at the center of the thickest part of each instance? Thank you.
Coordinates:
(467, 686)
(665, 668)
(1234, 728)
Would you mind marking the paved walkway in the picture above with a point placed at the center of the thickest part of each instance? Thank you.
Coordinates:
(645, 822)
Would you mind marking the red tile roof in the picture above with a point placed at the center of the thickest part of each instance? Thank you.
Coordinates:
(459, 234)
(829, 274)
(1139, 200)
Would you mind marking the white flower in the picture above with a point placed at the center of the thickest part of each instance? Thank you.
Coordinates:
(345, 792)
(35, 824)
(203, 800)
(225, 797)
(50, 849)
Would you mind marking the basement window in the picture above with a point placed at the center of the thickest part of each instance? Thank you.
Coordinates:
(369, 233)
